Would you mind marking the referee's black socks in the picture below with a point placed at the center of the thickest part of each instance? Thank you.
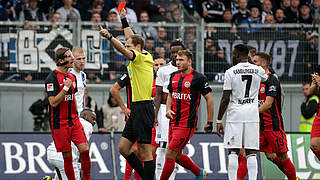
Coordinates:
(135, 163)
(149, 170)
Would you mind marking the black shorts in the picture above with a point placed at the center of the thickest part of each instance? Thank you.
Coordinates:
(140, 123)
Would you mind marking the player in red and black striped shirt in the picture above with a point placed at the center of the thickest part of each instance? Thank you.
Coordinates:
(185, 89)
(273, 139)
(64, 122)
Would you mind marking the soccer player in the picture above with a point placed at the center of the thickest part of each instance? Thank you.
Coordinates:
(240, 96)
(162, 127)
(185, 89)
(61, 87)
(139, 125)
(315, 131)
(88, 120)
(77, 69)
(273, 139)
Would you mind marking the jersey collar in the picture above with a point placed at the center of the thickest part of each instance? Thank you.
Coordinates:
(188, 73)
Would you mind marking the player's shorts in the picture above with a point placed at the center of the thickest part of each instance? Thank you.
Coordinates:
(273, 141)
(163, 125)
(180, 138)
(240, 134)
(315, 132)
(62, 137)
(140, 123)
(153, 142)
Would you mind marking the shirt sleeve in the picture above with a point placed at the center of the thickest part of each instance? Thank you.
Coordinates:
(262, 74)
(170, 83)
(204, 86)
(135, 55)
(227, 81)
(75, 82)
(159, 79)
(272, 86)
(52, 86)
(124, 80)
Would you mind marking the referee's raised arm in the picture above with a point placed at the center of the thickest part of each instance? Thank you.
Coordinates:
(126, 28)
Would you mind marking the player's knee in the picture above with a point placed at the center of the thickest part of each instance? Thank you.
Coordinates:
(123, 150)
(314, 146)
(270, 156)
(282, 156)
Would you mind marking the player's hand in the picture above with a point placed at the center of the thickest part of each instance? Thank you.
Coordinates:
(156, 122)
(67, 82)
(123, 13)
(126, 112)
(220, 129)
(102, 130)
(104, 32)
(170, 114)
(208, 128)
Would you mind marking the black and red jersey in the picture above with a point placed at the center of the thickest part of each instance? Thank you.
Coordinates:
(65, 114)
(271, 120)
(124, 81)
(186, 93)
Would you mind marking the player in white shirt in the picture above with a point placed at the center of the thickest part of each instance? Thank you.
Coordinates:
(88, 120)
(240, 99)
(78, 67)
(162, 128)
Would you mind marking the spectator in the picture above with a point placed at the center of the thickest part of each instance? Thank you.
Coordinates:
(154, 12)
(212, 10)
(171, 8)
(3, 14)
(40, 112)
(292, 12)
(112, 116)
(269, 19)
(32, 13)
(309, 108)
(227, 16)
(315, 6)
(21, 6)
(112, 17)
(149, 45)
(92, 78)
(162, 36)
(311, 60)
(56, 19)
(305, 14)
(242, 13)
(69, 13)
(11, 10)
(96, 7)
(285, 4)
(145, 31)
(253, 19)
(95, 17)
(280, 18)
(28, 78)
(266, 9)
(90, 103)
(131, 15)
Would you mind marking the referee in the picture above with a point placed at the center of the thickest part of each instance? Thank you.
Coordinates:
(141, 118)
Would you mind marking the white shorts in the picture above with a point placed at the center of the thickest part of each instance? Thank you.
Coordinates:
(162, 130)
(54, 160)
(238, 134)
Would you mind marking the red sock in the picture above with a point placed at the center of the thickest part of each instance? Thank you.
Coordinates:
(318, 154)
(85, 164)
(68, 167)
(186, 162)
(289, 169)
(242, 168)
(167, 169)
(128, 171)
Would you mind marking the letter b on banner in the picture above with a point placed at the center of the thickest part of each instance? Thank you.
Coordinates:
(27, 51)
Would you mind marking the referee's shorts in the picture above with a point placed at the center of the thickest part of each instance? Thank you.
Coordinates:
(140, 123)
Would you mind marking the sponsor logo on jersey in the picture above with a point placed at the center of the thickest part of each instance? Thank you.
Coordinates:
(262, 90)
(273, 88)
(182, 96)
(68, 97)
(187, 84)
(245, 101)
(260, 102)
(50, 87)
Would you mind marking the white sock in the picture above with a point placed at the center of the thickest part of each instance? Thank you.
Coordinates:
(252, 165)
(173, 175)
(233, 166)
(161, 159)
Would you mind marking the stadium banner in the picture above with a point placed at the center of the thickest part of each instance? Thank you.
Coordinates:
(29, 50)
(23, 156)
(306, 163)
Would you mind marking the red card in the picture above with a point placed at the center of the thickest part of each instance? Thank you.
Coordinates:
(121, 5)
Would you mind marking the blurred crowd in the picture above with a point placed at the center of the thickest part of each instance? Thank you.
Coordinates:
(157, 39)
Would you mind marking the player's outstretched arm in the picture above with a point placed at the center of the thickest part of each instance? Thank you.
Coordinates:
(116, 43)
(267, 104)
(56, 100)
(210, 109)
(115, 89)
(126, 28)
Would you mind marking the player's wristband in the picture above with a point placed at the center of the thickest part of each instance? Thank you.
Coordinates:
(65, 88)
(124, 23)
(110, 37)
(219, 121)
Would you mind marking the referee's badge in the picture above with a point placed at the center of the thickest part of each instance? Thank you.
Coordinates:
(187, 84)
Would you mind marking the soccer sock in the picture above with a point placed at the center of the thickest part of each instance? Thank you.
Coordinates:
(128, 171)
(167, 169)
(148, 170)
(85, 164)
(161, 158)
(174, 172)
(233, 166)
(252, 165)
(135, 163)
(289, 169)
(242, 169)
(68, 167)
(186, 162)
